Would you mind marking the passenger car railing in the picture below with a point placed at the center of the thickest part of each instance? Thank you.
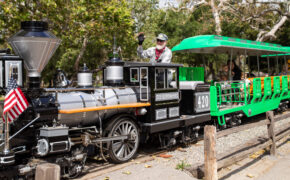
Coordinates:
(231, 93)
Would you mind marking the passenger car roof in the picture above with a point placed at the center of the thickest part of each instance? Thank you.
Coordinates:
(214, 44)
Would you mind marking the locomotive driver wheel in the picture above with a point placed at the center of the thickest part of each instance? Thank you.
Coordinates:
(123, 150)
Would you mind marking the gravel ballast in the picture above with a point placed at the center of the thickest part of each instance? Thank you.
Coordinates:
(194, 153)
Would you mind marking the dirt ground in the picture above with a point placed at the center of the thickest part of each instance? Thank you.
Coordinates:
(153, 170)
(145, 168)
(259, 166)
(262, 166)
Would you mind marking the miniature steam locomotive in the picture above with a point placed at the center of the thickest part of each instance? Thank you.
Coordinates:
(66, 125)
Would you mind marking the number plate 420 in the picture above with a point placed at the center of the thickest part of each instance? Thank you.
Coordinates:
(202, 102)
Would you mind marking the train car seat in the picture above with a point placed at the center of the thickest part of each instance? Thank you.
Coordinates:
(257, 90)
(267, 88)
(284, 86)
(276, 87)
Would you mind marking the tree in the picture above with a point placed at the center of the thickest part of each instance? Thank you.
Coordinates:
(264, 17)
(216, 9)
(86, 28)
(254, 20)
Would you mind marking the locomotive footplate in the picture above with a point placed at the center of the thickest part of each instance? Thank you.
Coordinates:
(185, 120)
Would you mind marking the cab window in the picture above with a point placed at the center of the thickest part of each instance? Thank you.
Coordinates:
(134, 75)
(160, 78)
(171, 78)
(143, 77)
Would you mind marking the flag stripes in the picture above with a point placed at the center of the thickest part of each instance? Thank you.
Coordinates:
(15, 102)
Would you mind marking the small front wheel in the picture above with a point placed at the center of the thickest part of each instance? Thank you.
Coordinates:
(123, 150)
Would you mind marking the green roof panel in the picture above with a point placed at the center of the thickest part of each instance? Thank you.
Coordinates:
(214, 44)
(283, 54)
(274, 55)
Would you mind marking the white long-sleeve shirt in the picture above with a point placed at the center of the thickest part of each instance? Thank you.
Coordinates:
(165, 57)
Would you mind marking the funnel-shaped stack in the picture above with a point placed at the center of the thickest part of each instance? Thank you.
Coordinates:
(35, 45)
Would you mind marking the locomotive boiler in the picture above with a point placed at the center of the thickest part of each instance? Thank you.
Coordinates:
(65, 125)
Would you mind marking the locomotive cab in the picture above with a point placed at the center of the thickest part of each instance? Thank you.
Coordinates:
(159, 84)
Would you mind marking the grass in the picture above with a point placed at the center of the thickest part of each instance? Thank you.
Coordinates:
(182, 165)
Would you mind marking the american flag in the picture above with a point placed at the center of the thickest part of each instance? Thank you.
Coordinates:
(15, 102)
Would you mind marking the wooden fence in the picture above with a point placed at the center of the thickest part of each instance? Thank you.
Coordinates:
(214, 162)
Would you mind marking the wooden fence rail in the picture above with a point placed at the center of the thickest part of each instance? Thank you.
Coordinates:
(242, 151)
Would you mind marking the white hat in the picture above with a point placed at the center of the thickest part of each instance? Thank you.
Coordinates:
(162, 37)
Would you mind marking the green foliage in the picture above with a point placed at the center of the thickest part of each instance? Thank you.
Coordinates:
(72, 21)
(87, 27)
(284, 34)
(182, 165)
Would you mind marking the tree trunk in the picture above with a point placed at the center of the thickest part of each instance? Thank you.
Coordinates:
(272, 32)
(216, 17)
(84, 46)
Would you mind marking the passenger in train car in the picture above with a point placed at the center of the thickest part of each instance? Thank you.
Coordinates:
(258, 74)
(235, 76)
(236, 71)
(211, 75)
(223, 74)
(158, 54)
(284, 70)
(244, 77)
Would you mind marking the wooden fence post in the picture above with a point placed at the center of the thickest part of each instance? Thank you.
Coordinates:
(271, 132)
(47, 171)
(210, 162)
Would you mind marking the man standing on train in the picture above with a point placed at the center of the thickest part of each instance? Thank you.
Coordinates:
(160, 53)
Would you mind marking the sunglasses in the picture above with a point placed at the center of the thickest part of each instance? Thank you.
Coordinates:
(158, 40)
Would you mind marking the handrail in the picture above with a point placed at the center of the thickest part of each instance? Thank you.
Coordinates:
(81, 89)
(28, 124)
(99, 108)
(227, 89)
